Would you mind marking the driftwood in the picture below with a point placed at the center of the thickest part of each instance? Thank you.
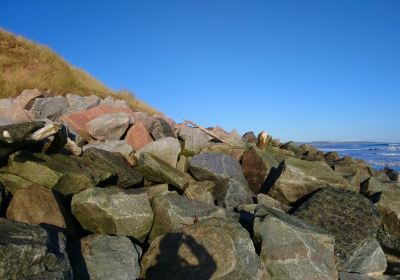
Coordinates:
(208, 132)
(44, 132)
(72, 147)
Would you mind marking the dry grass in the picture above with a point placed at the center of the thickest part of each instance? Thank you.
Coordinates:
(25, 65)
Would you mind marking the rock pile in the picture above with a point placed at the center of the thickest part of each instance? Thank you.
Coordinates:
(92, 189)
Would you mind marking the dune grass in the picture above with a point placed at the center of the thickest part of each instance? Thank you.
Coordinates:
(25, 65)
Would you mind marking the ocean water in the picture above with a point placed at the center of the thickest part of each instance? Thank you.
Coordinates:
(378, 155)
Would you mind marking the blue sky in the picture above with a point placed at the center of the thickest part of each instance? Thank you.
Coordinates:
(301, 70)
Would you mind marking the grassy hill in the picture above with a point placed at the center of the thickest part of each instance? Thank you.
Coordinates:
(25, 64)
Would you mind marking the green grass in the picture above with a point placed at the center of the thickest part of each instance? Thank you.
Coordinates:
(25, 65)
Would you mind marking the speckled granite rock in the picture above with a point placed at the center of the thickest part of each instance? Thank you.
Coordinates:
(350, 217)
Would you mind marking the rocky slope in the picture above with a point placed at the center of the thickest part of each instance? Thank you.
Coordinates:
(91, 189)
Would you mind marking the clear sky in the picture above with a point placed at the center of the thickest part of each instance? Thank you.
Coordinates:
(301, 70)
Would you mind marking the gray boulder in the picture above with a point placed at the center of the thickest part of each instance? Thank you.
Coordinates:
(51, 108)
(231, 187)
(114, 146)
(210, 249)
(113, 211)
(293, 249)
(29, 251)
(80, 103)
(194, 140)
(167, 149)
(353, 220)
(109, 126)
(108, 257)
(159, 128)
(173, 212)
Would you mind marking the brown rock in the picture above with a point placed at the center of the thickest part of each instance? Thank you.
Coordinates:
(36, 205)
(254, 169)
(77, 121)
(26, 98)
(138, 136)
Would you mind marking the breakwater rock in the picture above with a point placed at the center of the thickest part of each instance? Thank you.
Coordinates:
(93, 189)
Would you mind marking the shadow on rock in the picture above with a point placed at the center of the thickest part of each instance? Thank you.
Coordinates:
(181, 257)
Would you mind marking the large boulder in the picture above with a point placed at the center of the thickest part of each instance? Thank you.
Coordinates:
(389, 207)
(138, 136)
(108, 257)
(159, 128)
(172, 212)
(51, 108)
(256, 166)
(38, 205)
(194, 140)
(231, 187)
(30, 252)
(127, 176)
(109, 126)
(77, 121)
(210, 249)
(157, 170)
(77, 103)
(114, 146)
(293, 249)
(67, 174)
(113, 211)
(26, 99)
(223, 148)
(300, 177)
(353, 220)
(167, 149)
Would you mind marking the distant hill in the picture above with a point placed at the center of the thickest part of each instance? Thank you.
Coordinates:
(25, 64)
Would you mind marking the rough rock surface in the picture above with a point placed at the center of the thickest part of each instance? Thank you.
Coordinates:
(157, 170)
(210, 249)
(114, 146)
(231, 187)
(389, 207)
(36, 205)
(194, 140)
(351, 218)
(51, 108)
(173, 212)
(138, 136)
(113, 211)
(109, 126)
(127, 176)
(159, 128)
(28, 251)
(293, 249)
(201, 191)
(166, 148)
(299, 178)
(108, 257)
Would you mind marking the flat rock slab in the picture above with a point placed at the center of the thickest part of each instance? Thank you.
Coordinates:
(173, 212)
(210, 249)
(28, 251)
(77, 121)
(113, 211)
(108, 257)
(351, 218)
(114, 146)
(293, 249)
(109, 126)
(167, 149)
